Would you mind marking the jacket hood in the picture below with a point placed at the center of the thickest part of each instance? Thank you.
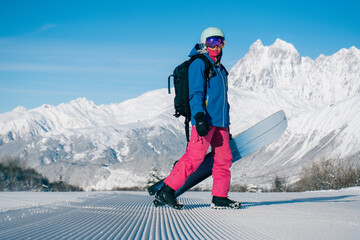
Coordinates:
(196, 50)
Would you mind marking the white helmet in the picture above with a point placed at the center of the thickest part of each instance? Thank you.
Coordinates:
(211, 32)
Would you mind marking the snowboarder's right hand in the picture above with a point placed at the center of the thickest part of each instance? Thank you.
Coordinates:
(202, 127)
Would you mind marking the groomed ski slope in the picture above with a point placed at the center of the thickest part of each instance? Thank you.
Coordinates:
(131, 215)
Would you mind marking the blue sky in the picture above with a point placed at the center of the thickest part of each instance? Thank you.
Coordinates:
(109, 51)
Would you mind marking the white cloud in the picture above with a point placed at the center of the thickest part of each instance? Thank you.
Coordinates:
(45, 27)
(40, 67)
(41, 29)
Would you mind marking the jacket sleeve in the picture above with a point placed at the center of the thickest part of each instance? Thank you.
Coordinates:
(196, 86)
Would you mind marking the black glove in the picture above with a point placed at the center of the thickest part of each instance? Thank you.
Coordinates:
(202, 127)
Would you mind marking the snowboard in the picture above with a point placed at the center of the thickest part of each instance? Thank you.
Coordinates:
(243, 144)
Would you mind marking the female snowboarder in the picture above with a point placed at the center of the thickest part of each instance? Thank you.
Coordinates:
(210, 125)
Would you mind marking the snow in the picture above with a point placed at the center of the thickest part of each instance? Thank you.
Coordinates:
(131, 215)
(22, 200)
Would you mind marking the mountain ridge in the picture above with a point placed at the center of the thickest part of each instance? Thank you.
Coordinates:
(318, 82)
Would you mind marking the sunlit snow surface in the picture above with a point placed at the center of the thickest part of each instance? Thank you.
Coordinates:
(131, 215)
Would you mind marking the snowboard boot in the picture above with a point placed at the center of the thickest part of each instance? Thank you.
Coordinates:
(223, 203)
(166, 195)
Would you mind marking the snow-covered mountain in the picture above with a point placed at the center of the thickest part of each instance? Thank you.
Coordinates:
(93, 146)
(116, 145)
(325, 80)
(321, 99)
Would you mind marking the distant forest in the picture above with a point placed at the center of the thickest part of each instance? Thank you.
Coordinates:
(15, 176)
(318, 175)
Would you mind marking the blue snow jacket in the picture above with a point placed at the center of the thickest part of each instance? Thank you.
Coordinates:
(213, 100)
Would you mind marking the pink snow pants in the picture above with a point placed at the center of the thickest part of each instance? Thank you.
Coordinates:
(195, 153)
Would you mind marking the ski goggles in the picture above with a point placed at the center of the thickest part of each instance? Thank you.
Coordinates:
(212, 42)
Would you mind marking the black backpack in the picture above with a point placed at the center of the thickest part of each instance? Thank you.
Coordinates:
(181, 85)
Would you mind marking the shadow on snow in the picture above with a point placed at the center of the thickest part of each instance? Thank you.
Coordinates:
(245, 205)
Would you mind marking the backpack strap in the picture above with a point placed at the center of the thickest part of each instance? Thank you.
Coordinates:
(172, 75)
(209, 71)
(187, 130)
(227, 73)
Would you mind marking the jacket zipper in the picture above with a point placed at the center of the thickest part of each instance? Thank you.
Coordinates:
(224, 89)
